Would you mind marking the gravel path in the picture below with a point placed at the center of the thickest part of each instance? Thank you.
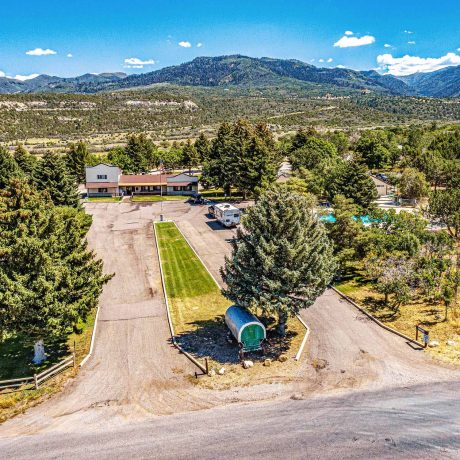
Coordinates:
(361, 392)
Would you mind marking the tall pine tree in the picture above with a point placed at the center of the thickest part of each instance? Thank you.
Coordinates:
(282, 259)
(53, 177)
(76, 159)
(8, 167)
(49, 280)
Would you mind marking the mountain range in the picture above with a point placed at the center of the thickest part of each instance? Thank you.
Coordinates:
(243, 71)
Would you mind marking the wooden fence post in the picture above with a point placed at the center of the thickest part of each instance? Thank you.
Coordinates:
(36, 382)
(206, 365)
(74, 356)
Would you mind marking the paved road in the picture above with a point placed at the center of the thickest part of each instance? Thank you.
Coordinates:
(361, 392)
(417, 422)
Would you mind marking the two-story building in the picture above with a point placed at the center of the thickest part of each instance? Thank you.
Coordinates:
(103, 180)
(108, 180)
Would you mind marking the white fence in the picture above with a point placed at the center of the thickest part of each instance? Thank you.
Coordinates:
(38, 379)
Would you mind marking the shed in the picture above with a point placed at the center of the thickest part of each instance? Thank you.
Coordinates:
(245, 327)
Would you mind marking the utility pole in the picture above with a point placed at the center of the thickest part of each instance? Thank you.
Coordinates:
(161, 191)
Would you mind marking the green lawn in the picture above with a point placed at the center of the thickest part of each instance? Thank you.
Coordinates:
(217, 194)
(197, 310)
(159, 198)
(105, 199)
(16, 353)
(193, 295)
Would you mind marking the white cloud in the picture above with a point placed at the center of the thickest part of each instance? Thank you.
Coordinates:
(408, 32)
(348, 32)
(2, 74)
(458, 49)
(407, 65)
(40, 52)
(26, 77)
(330, 60)
(185, 44)
(387, 45)
(70, 55)
(411, 42)
(321, 60)
(346, 42)
(340, 66)
(136, 63)
(199, 45)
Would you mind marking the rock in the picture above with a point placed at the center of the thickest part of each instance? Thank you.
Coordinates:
(221, 371)
(451, 343)
(212, 373)
(283, 358)
(247, 364)
(268, 362)
(433, 344)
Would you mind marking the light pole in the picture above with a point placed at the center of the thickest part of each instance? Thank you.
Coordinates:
(161, 191)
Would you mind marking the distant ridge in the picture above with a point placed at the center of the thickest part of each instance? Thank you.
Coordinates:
(244, 71)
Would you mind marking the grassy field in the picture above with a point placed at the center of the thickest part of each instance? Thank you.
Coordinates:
(16, 355)
(105, 199)
(159, 198)
(417, 311)
(217, 194)
(197, 311)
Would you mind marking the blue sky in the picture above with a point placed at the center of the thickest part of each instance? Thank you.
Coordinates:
(69, 38)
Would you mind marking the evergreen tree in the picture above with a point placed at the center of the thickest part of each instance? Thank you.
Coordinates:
(352, 180)
(142, 152)
(8, 167)
(241, 156)
(190, 155)
(77, 158)
(282, 259)
(52, 176)
(27, 163)
(203, 147)
(49, 281)
(257, 170)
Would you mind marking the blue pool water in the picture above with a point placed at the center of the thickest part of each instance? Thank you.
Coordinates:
(330, 218)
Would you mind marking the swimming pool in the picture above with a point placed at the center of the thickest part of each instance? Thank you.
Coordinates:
(330, 218)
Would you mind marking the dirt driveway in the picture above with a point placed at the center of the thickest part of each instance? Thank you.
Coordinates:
(134, 370)
(135, 374)
(346, 349)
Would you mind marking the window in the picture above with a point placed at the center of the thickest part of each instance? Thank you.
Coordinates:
(101, 176)
(102, 190)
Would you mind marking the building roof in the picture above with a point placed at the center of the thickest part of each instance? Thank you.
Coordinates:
(142, 179)
(101, 184)
(102, 164)
(180, 184)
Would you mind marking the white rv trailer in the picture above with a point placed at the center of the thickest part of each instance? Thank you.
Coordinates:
(227, 215)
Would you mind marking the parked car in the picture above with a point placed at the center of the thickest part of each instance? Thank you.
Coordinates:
(196, 198)
(212, 211)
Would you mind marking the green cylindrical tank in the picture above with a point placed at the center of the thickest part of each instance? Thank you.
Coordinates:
(245, 327)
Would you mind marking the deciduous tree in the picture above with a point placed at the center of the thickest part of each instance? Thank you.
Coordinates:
(282, 258)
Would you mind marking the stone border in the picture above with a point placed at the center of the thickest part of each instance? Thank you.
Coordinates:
(93, 336)
(373, 318)
(171, 327)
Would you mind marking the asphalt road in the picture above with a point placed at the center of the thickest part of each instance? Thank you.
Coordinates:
(360, 393)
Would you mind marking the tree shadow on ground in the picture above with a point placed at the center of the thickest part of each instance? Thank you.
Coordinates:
(17, 352)
(210, 339)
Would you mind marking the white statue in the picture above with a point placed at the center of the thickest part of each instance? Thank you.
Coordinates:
(39, 352)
